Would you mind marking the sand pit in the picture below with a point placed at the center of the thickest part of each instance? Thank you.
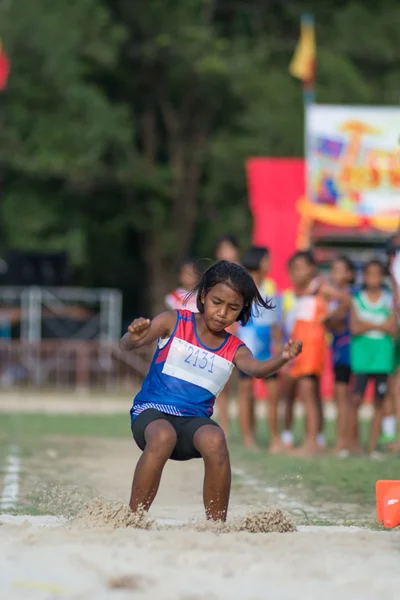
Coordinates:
(99, 551)
(65, 560)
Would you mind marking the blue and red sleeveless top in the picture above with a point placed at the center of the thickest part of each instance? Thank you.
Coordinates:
(185, 376)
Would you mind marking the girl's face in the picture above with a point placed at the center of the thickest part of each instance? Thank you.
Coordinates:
(373, 277)
(222, 306)
(227, 251)
(265, 265)
(188, 277)
(301, 272)
(340, 273)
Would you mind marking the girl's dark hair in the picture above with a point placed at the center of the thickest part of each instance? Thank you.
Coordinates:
(227, 238)
(189, 262)
(348, 264)
(237, 278)
(306, 255)
(253, 256)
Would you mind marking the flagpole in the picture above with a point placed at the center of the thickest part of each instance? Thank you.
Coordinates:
(307, 24)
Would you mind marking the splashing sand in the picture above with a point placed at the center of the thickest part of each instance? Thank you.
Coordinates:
(53, 499)
(272, 520)
(266, 520)
(98, 513)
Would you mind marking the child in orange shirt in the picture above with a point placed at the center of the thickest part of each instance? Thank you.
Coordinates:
(310, 311)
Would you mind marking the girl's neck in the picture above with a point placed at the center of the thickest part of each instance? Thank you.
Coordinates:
(373, 293)
(306, 288)
(257, 278)
(208, 338)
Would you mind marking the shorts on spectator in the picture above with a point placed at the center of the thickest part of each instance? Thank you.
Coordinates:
(381, 384)
(342, 373)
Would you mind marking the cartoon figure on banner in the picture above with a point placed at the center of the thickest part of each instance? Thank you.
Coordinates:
(353, 171)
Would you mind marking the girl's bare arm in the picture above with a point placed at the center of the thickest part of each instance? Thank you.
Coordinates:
(245, 361)
(359, 327)
(144, 331)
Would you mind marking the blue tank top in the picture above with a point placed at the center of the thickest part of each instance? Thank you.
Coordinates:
(185, 376)
(257, 334)
(341, 345)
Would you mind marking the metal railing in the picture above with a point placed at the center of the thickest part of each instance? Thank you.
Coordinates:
(71, 365)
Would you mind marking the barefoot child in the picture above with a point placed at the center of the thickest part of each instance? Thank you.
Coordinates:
(373, 326)
(261, 336)
(337, 322)
(394, 384)
(171, 415)
(306, 370)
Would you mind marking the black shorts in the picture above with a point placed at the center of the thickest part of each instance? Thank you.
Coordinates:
(342, 374)
(244, 376)
(185, 428)
(311, 376)
(381, 384)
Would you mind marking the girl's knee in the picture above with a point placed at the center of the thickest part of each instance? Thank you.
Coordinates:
(210, 441)
(161, 439)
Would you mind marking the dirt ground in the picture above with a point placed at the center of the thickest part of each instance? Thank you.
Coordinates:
(44, 558)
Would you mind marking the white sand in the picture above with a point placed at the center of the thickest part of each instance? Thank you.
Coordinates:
(45, 563)
(42, 558)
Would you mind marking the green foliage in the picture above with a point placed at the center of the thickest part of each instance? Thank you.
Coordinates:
(133, 120)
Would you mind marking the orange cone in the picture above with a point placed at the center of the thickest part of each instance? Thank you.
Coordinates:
(391, 508)
(382, 488)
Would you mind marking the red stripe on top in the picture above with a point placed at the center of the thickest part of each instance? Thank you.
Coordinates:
(185, 331)
(163, 353)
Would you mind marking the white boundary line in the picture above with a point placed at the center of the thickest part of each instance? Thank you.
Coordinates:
(277, 495)
(11, 481)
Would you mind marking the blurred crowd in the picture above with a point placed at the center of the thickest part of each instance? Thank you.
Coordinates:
(346, 313)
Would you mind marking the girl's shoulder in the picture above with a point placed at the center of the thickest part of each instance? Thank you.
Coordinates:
(184, 314)
(233, 343)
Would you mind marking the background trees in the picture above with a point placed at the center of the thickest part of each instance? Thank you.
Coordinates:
(125, 125)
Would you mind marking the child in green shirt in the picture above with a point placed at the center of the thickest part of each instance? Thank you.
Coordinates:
(373, 327)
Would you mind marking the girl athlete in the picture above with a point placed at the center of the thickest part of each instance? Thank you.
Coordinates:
(193, 361)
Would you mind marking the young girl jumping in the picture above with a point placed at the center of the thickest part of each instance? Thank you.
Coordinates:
(170, 416)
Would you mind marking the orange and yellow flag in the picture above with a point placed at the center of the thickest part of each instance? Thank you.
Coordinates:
(303, 62)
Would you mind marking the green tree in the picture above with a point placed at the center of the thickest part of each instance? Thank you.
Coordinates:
(126, 125)
(60, 134)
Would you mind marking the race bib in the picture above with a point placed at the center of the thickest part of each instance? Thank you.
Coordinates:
(198, 366)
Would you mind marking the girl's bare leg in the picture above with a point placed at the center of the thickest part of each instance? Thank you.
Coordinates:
(210, 441)
(245, 412)
(342, 402)
(160, 439)
(223, 410)
(353, 438)
(275, 444)
(375, 429)
(309, 395)
(289, 392)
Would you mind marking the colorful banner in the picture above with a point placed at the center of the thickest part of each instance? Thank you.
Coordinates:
(353, 168)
